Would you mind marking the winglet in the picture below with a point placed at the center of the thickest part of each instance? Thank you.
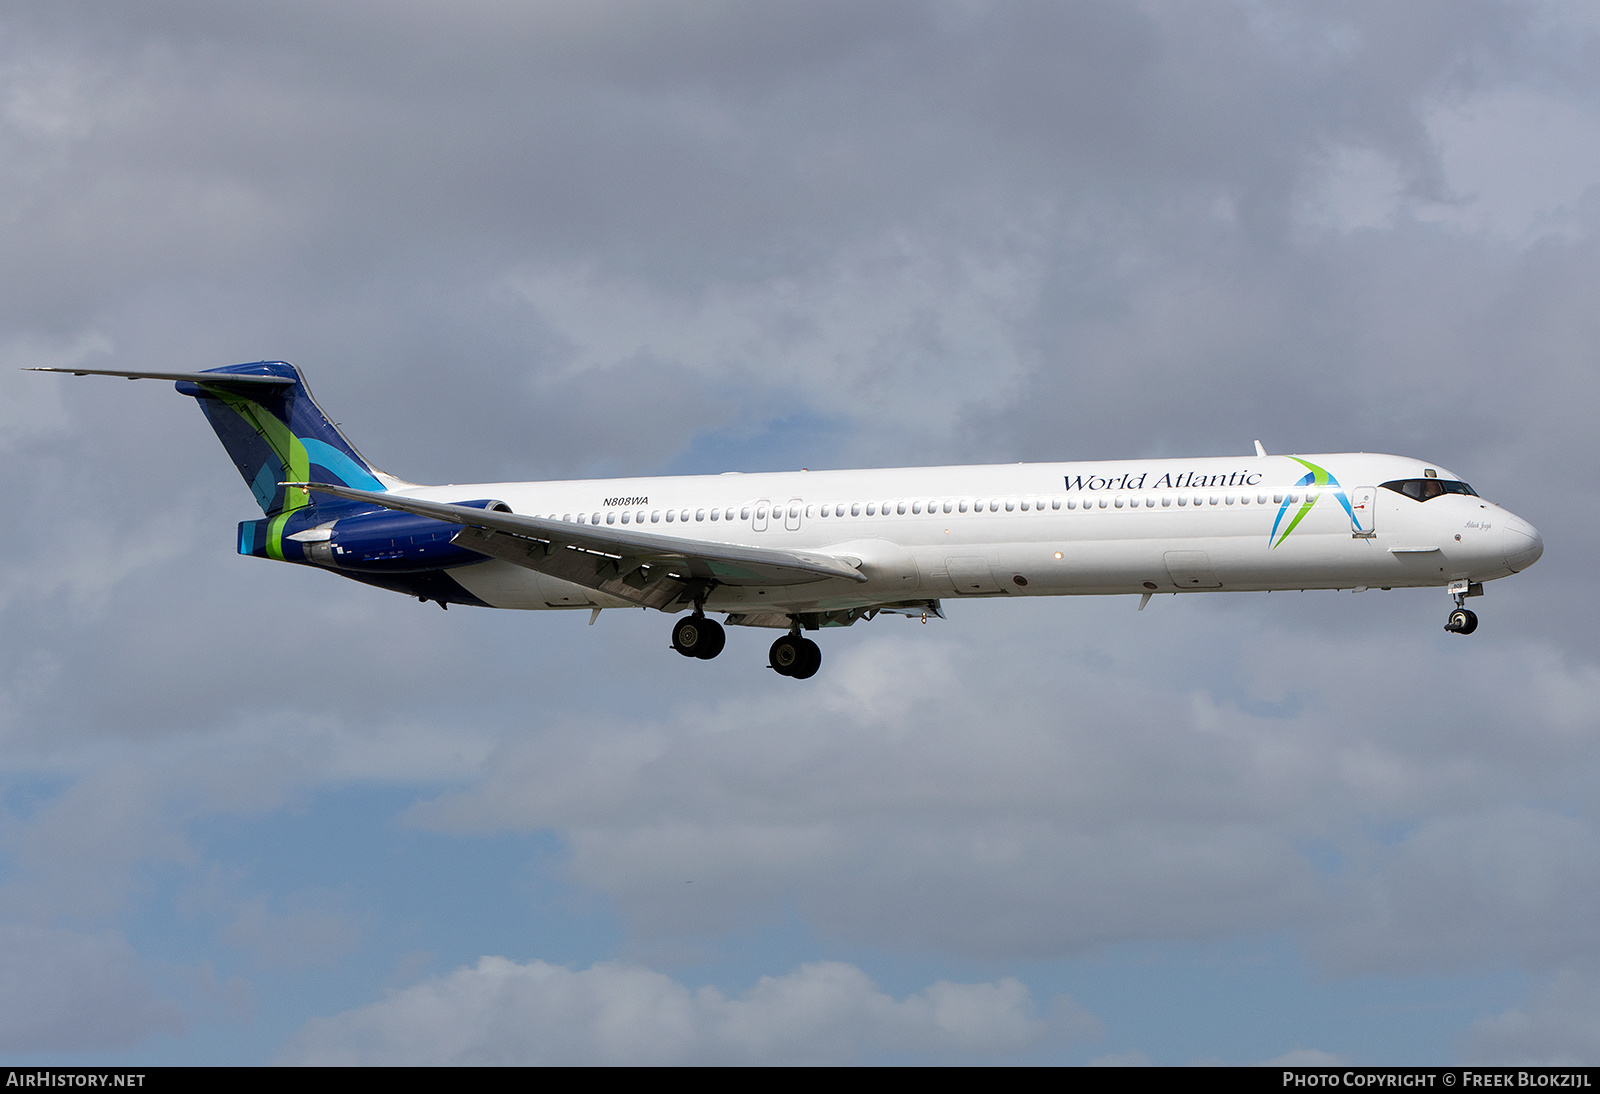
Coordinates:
(1259, 450)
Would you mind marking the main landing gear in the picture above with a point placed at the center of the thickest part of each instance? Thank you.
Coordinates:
(696, 636)
(1463, 620)
(793, 655)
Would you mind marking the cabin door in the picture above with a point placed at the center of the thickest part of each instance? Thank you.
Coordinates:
(1363, 511)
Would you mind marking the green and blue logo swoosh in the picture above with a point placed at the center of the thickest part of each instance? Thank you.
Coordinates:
(1319, 481)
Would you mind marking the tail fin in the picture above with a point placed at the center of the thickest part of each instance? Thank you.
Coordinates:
(273, 429)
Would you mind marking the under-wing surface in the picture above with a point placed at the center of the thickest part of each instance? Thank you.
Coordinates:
(806, 550)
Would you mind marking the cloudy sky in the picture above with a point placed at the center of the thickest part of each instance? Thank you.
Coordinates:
(252, 813)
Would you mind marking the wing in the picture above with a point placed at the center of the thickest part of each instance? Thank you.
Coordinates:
(654, 570)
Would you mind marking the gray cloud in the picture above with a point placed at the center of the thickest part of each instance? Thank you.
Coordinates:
(521, 242)
(63, 990)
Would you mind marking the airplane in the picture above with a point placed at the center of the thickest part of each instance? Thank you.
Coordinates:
(802, 551)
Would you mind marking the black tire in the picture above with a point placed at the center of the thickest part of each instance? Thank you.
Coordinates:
(786, 655)
(692, 635)
(1462, 621)
(1472, 621)
(712, 639)
(810, 660)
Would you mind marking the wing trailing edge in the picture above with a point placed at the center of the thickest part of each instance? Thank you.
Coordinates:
(653, 570)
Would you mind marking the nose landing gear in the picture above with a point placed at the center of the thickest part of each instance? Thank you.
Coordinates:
(697, 636)
(1463, 620)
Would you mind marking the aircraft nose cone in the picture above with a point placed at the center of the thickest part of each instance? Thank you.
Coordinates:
(1523, 544)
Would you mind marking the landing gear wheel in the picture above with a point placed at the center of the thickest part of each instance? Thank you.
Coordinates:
(795, 656)
(697, 636)
(784, 655)
(810, 660)
(1462, 621)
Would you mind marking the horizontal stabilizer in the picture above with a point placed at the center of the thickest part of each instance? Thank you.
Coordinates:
(210, 379)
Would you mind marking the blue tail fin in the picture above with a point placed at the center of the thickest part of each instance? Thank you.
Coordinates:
(276, 433)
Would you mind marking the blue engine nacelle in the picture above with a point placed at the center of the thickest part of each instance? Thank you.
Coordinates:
(380, 541)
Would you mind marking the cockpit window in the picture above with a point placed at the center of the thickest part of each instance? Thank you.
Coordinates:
(1427, 489)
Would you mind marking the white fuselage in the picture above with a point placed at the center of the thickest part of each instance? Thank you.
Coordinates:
(1135, 526)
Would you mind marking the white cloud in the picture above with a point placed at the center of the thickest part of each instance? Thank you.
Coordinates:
(503, 1013)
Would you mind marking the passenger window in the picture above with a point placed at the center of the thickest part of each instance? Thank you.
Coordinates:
(916, 507)
(855, 509)
(744, 513)
(1183, 500)
(1055, 503)
(625, 518)
(700, 514)
(761, 512)
(716, 514)
(671, 514)
(1166, 502)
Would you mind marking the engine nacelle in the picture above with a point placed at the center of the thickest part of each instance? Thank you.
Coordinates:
(381, 541)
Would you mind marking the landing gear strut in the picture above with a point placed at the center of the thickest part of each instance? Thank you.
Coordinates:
(696, 636)
(793, 655)
(1463, 620)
